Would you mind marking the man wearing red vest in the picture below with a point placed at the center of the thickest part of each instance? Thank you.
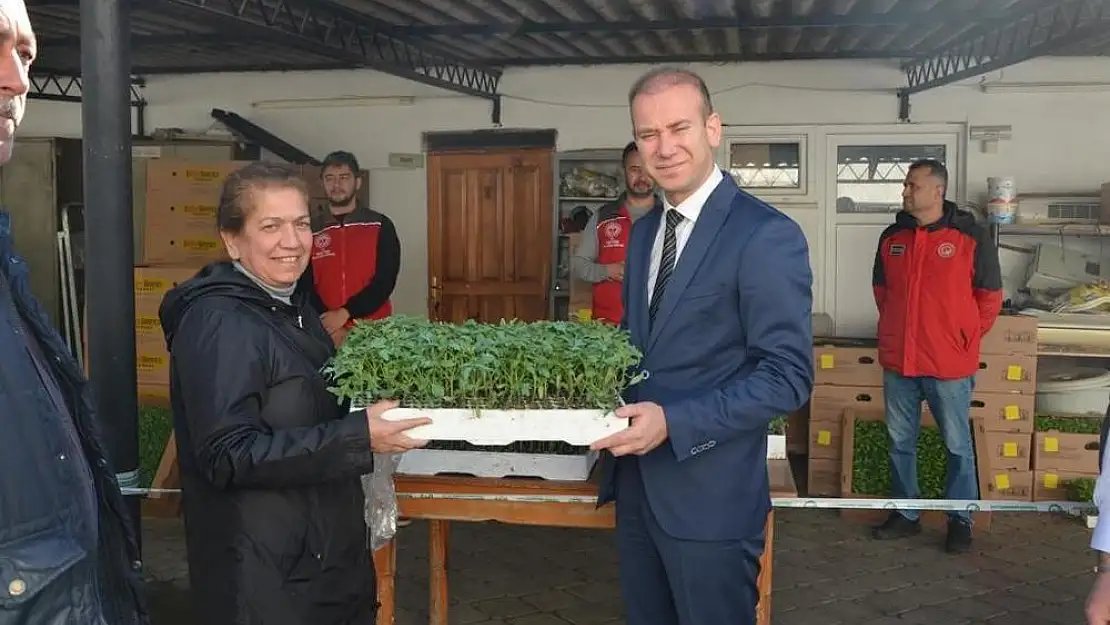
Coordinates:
(599, 258)
(356, 254)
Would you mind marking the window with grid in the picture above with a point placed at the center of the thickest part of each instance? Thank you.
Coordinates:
(766, 164)
(869, 177)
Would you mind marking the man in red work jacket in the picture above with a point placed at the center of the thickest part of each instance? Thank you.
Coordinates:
(599, 257)
(938, 287)
(356, 254)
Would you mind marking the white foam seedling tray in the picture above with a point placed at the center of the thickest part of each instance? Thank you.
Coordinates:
(497, 464)
(504, 427)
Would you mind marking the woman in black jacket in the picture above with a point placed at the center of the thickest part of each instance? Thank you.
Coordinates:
(270, 461)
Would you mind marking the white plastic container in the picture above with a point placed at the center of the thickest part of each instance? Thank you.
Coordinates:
(1073, 390)
(776, 447)
(1001, 199)
(487, 427)
(495, 464)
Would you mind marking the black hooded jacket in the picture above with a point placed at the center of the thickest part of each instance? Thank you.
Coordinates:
(270, 461)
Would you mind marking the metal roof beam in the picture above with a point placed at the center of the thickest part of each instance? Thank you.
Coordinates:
(325, 28)
(739, 57)
(151, 41)
(1046, 27)
(66, 87)
(528, 27)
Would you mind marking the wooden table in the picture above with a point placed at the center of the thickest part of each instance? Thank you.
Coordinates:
(443, 499)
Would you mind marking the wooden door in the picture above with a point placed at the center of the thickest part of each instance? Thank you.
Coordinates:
(490, 235)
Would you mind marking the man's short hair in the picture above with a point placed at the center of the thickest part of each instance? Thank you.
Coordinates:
(339, 157)
(628, 149)
(662, 78)
(935, 168)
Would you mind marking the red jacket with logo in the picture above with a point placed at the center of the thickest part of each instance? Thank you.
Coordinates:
(355, 261)
(939, 290)
(613, 225)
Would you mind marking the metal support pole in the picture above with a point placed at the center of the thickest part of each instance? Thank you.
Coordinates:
(110, 282)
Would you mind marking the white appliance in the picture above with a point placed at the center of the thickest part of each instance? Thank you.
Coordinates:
(1059, 209)
(1055, 267)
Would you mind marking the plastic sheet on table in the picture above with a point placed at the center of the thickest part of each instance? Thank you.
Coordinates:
(381, 511)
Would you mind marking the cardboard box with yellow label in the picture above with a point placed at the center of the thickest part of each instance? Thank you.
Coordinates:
(1007, 485)
(1053, 485)
(1010, 373)
(846, 366)
(1072, 453)
(1005, 451)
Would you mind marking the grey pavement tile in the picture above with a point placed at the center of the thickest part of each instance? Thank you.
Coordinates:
(932, 615)
(538, 619)
(1031, 569)
(505, 607)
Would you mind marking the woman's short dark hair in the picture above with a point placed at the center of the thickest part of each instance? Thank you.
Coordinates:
(237, 194)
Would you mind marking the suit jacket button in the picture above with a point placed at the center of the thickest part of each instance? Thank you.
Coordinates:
(17, 587)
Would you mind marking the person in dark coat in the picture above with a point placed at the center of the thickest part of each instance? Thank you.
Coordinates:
(270, 460)
(68, 549)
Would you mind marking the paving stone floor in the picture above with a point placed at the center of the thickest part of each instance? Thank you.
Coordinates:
(1031, 569)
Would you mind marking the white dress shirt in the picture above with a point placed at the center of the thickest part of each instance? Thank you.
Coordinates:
(1100, 540)
(690, 209)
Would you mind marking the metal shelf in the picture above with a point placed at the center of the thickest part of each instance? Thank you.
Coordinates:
(571, 198)
(1078, 230)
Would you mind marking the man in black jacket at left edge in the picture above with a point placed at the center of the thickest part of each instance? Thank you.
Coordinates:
(68, 550)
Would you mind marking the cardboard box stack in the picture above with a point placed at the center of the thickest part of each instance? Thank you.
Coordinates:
(848, 375)
(180, 237)
(1003, 408)
(1059, 458)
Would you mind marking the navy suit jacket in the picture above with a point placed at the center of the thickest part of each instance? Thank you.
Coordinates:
(731, 349)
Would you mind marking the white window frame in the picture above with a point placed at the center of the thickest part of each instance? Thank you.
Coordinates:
(791, 136)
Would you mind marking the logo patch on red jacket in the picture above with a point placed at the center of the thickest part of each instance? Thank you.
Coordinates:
(323, 240)
(611, 234)
(897, 249)
(613, 229)
(946, 250)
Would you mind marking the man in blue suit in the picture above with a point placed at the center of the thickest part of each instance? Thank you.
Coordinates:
(717, 295)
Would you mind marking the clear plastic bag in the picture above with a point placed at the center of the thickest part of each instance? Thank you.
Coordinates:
(380, 512)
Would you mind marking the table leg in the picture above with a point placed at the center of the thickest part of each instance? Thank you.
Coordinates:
(385, 564)
(766, 565)
(438, 531)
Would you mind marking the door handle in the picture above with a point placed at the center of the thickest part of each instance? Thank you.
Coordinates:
(434, 289)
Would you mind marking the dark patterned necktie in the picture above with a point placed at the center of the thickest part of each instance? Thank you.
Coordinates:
(666, 262)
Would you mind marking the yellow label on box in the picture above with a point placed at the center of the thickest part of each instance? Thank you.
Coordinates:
(1051, 444)
(199, 210)
(148, 363)
(827, 361)
(1010, 450)
(147, 323)
(824, 437)
(1051, 480)
(1002, 481)
(1013, 413)
(201, 245)
(1013, 373)
(152, 285)
(197, 174)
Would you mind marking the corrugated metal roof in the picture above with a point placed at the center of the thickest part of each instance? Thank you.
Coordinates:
(170, 37)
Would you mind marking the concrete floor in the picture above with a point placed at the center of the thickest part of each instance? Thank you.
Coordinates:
(1031, 569)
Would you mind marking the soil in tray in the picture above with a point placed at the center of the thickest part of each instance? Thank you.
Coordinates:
(520, 447)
